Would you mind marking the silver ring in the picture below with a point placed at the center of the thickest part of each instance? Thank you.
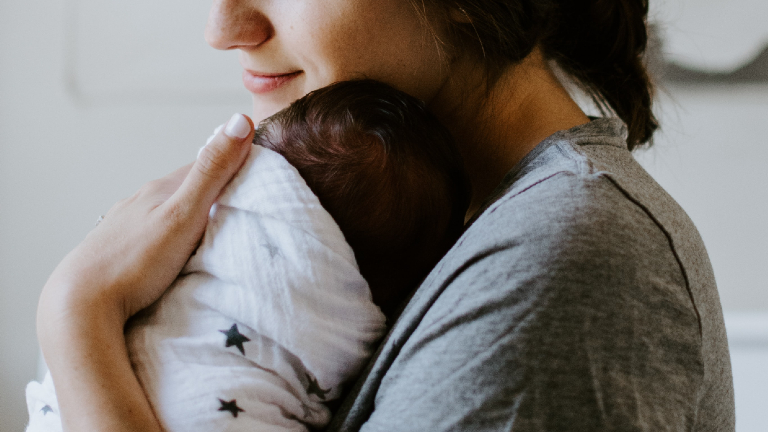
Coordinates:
(98, 221)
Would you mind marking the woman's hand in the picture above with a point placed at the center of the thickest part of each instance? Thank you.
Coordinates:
(122, 266)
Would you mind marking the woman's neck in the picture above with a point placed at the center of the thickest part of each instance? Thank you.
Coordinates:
(496, 128)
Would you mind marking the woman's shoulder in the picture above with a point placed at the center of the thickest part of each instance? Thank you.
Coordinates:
(580, 277)
(581, 228)
(553, 294)
(580, 213)
(580, 189)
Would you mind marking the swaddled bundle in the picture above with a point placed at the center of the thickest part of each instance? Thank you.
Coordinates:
(271, 315)
(267, 320)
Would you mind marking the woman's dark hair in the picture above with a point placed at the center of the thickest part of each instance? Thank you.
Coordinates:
(600, 43)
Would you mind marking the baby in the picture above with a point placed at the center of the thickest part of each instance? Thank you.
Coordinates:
(348, 199)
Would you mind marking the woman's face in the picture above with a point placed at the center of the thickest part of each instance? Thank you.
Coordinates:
(291, 47)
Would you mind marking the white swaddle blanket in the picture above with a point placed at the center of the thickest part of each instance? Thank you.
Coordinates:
(267, 321)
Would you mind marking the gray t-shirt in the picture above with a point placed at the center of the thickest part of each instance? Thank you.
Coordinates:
(580, 299)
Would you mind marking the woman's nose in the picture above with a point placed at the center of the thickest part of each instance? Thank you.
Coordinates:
(236, 24)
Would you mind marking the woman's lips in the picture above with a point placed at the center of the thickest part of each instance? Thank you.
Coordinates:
(257, 82)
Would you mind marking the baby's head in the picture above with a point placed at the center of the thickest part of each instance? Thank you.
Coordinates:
(386, 170)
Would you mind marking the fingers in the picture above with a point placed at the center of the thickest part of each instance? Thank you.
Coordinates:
(165, 187)
(216, 164)
(177, 177)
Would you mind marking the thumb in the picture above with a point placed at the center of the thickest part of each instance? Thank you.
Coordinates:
(216, 164)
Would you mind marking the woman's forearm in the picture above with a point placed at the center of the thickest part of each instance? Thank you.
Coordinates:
(95, 385)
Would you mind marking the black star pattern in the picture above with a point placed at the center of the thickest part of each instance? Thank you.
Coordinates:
(314, 387)
(234, 337)
(273, 250)
(230, 406)
(46, 409)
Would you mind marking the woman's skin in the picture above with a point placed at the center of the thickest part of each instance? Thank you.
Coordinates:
(313, 43)
(288, 49)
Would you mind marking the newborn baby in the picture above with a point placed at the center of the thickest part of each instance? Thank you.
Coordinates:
(348, 199)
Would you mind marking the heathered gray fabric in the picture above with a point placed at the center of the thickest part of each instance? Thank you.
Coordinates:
(581, 299)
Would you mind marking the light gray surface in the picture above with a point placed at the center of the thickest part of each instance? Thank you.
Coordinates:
(108, 61)
(748, 340)
(581, 299)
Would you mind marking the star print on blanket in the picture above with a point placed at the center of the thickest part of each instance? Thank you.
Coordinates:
(264, 324)
(272, 249)
(314, 387)
(235, 338)
(230, 406)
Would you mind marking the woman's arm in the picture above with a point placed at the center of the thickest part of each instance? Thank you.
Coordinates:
(121, 267)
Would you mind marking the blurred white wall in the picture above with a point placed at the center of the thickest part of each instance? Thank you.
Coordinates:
(98, 97)
(79, 130)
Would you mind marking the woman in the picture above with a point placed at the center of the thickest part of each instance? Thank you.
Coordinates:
(580, 296)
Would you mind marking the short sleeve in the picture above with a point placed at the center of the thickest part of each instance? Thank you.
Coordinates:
(576, 317)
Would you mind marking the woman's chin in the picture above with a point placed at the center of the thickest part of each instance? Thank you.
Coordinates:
(263, 110)
(264, 107)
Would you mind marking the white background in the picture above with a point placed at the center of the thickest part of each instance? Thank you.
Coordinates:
(98, 97)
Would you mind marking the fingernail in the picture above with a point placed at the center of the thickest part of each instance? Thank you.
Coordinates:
(238, 127)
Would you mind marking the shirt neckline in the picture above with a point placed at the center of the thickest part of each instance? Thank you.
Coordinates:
(598, 131)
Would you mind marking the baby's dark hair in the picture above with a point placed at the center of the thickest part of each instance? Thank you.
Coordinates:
(383, 166)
